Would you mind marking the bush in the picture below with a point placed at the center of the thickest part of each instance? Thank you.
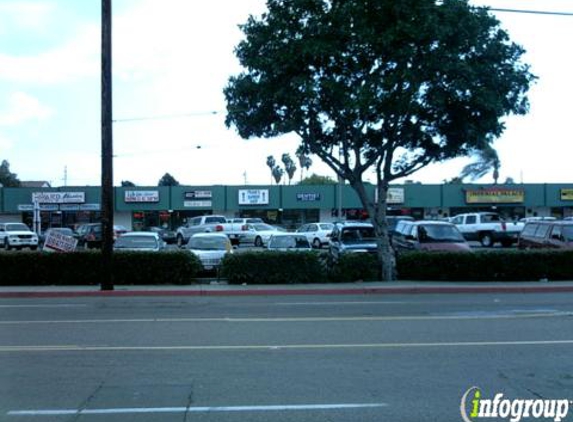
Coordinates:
(354, 267)
(84, 268)
(270, 267)
(486, 266)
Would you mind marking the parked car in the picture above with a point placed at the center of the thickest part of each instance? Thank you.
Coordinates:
(488, 228)
(547, 235)
(429, 236)
(90, 236)
(17, 236)
(202, 224)
(245, 220)
(168, 236)
(139, 241)
(352, 238)
(118, 231)
(394, 220)
(289, 242)
(210, 248)
(258, 234)
(318, 234)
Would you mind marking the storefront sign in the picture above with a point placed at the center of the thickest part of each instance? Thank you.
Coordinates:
(141, 196)
(308, 197)
(197, 204)
(59, 197)
(567, 194)
(58, 242)
(495, 196)
(253, 196)
(199, 194)
(90, 207)
(395, 196)
(69, 207)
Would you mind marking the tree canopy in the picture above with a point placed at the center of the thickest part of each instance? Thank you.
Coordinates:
(7, 178)
(168, 180)
(315, 179)
(377, 84)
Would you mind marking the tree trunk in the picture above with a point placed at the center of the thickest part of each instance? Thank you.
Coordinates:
(377, 213)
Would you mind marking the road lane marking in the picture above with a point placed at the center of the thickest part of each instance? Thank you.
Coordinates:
(278, 347)
(296, 319)
(344, 303)
(195, 409)
(63, 305)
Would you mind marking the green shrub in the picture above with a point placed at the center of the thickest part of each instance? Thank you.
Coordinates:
(271, 267)
(354, 267)
(84, 268)
(511, 265)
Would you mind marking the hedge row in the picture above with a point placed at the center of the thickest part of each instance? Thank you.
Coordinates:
(84, 268)
(510, 265)
(181, 267)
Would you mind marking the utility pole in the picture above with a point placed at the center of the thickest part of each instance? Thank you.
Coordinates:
(106, 148)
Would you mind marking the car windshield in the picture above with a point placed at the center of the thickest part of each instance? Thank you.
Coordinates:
(136, 242)
(289, 242)
(432, 233)
(17, 227)
(62, 230)
(358, 234)
(208, 243)
(568, 233)
(326, 226)
(262, 227)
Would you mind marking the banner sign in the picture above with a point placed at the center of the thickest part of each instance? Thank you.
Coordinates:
(59, 197)
(567, 194)
(395, 196)
(308, 197)
(199, 194)
(141, 196)
(495, 196)
(253, 196)
(58, 242)
(197, 204)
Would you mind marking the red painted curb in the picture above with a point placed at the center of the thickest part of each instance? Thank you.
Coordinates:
(292, 292)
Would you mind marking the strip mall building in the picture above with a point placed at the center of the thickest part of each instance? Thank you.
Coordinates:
(289, 206)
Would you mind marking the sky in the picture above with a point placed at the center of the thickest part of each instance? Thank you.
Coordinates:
(171, 61)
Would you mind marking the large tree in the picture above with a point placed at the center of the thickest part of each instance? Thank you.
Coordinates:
(167, 180)
(7, 178)
(377, 84)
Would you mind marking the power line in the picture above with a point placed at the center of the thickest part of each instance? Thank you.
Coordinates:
(532, 12)
(166, 116)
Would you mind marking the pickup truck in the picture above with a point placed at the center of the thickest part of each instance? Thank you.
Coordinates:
(488, 228)
(212, 224)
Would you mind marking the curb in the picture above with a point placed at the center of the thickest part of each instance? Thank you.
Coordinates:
(291, 292)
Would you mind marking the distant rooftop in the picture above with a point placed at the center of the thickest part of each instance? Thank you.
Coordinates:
(35, 184)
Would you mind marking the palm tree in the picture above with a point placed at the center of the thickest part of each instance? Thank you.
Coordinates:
(278, 174)
(303, 160)
(290, 166)
(486, 160)
(271, 164)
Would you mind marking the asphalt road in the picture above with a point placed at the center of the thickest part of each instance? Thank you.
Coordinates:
(280, 358)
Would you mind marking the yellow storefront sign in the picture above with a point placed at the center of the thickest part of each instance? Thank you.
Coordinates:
(495, 196)
(567, 194)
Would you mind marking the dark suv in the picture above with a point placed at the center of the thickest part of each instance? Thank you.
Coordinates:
(351, 238)
(90, 236)
(547, 235)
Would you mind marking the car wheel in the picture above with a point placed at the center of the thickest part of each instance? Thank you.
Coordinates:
(316, 244)
(486, 240)
(258, 242)
(7, 245)
(180, 241)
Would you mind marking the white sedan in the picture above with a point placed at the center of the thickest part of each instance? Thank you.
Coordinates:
(210, 248)
(318, 234)
(259, 234)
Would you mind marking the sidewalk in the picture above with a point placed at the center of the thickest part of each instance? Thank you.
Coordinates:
(221, 289)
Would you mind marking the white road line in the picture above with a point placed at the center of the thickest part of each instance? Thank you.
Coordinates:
(199, 409)
(277, 347)
(45, 306)
(294, 319)
(343, 303)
